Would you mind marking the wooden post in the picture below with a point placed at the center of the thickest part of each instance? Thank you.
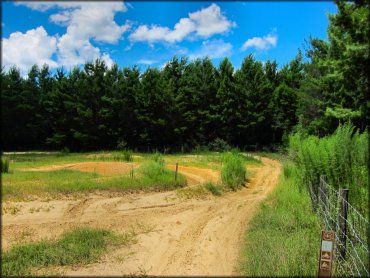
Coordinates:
(132, 171)
(177, 169)
(342, 221)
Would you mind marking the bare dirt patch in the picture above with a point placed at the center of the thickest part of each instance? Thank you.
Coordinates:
(187, 237)
(104, 168)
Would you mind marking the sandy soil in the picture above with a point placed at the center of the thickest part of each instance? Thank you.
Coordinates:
(104, 168)
(182, 237)
(194, 175)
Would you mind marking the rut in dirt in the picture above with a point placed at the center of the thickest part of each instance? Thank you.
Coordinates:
(185, 237)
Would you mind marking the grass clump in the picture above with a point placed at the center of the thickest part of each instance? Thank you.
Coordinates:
(214, 189)
(125, 155)
(284, 236)
(79, 246)
(233, 172)
(4, 165)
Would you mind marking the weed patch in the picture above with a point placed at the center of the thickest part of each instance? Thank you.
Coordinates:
(80, 246)
(233, 173)
(284, 236)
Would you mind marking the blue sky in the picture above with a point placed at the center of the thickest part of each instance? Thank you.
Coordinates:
(150, 33)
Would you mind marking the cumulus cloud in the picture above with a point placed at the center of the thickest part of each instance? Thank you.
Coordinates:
(213, 49)
(203, 23)
(26, 49)
(85, 21)
(261, 43)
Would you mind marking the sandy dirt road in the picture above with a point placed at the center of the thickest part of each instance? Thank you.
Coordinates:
(174, 236)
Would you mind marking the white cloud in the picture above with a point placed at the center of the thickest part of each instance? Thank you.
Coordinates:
(263, 43)
(85, 21)
(147, 62)
(26, 49)
(213, 49)
(203, 23)
(62, 18)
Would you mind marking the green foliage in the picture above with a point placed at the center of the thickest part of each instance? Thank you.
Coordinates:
(233, 173)
(219, 145)
(341, 157)
(4, 165)
(284, 236)
(125, 155)
(65, 150)
(214, 189)
(121, 144)
(152, 169)
(193, 103)
(80, 246)
(335, 87)
(158, 158)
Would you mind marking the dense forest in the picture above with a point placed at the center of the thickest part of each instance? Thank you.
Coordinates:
(194, 103)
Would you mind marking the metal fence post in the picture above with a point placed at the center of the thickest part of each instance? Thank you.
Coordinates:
(342, 221)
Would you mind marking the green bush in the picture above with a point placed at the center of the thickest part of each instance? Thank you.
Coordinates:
(233, 173)
(4, 165)
(219, 145)
(342, 157)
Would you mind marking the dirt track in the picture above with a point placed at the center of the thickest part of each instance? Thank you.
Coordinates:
(175, 236)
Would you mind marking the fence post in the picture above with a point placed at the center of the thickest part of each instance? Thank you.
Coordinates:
(342, 221)
(177, 169)
(132, 171)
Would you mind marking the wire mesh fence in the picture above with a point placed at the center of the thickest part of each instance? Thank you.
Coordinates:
(351, 252)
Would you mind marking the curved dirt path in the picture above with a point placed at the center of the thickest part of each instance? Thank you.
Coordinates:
(194, 175)
(177, 237)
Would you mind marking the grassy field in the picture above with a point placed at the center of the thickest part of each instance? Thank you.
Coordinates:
(80, 246)
(284, 236)
(20, 184)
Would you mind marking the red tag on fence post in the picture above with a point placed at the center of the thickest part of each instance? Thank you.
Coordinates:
(326, 253)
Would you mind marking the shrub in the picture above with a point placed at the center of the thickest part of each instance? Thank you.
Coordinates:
(4, 165)
(233, 173)
(219, 145)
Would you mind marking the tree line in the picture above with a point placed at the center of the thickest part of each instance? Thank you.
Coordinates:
(193, 103)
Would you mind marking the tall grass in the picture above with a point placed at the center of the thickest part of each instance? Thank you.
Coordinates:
(79, 246)
(125, 155)
(4, 165)
(233, 173)
(283, 238)
(342, 157)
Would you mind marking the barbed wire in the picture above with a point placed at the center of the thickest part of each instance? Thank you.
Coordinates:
(351, 245)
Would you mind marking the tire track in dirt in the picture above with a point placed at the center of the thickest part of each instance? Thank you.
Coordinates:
(189, 237)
